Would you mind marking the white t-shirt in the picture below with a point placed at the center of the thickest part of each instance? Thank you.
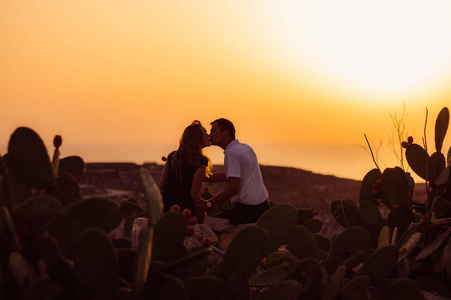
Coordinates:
(240, 161)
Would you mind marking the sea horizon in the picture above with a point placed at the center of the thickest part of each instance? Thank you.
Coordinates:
(350, 161)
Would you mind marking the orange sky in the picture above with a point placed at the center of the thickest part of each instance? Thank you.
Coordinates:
(102, 72)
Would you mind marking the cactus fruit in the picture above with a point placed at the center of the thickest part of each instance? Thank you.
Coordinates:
(367, 185)
(57, 142)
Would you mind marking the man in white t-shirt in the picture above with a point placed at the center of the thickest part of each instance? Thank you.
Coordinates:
(242, 173)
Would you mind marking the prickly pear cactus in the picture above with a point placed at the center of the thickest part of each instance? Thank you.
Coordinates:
(394, 186)
(334, 283)
(96, 264)
(304, 215)
(351, 240)
(346, 212)
(99, 212)
(270, 276)
(153, 197)
(308, 273)
(356, 288)
(5, 189)
(171, 224)
(208, 287)
(278, 222)
(36, 215)
(404, 289)
(302, 243)
(287, 289)
(246, 250)
(74, 165)
(29, 160)
(420, 162)
(379, 264)
(370, 214)
(441, 126)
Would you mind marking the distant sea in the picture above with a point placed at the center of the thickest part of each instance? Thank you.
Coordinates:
(349, 161)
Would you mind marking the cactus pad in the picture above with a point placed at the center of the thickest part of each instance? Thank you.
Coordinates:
(278, 222)
(351, 240)
(246, 250)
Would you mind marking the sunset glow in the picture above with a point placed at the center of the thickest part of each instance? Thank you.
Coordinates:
(285, 72)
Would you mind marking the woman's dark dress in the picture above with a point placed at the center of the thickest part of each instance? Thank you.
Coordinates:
(176, 192)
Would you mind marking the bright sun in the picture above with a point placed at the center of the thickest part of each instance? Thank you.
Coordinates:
(389, 46)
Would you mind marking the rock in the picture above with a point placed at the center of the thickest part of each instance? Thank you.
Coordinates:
(225, 238)
(202, 231)
(117, 232)
(218, 224)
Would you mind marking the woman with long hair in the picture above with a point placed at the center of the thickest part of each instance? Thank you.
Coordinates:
(185, 170)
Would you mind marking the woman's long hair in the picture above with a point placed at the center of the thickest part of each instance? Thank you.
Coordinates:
(190, 150)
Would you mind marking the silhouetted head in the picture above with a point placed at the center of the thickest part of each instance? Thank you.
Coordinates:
(194, 138)
(222, 132)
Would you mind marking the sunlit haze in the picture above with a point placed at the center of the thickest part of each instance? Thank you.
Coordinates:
(293, 76)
